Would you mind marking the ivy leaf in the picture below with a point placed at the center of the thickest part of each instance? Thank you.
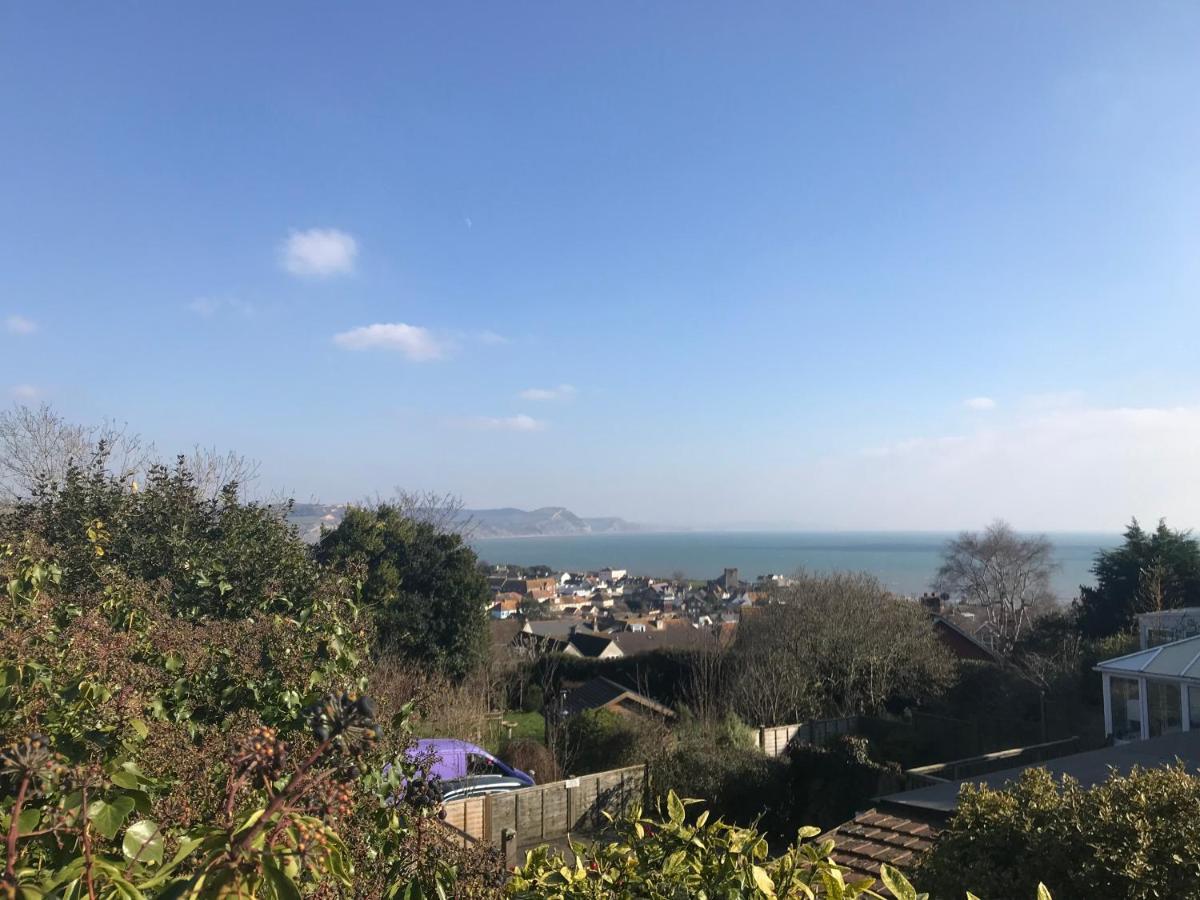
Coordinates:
(28, 820)
(143, 842)
(284, 888)
(108, 817)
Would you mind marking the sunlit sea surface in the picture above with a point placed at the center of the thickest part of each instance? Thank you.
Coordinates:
(904, 561)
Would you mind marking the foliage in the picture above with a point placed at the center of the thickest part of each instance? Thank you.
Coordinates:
(598, 739)
(1153, 570)
(216, 557)
(1131, 836)
(827, 785)
(719, 763)
(672, 855)
(1003, 574)
(530, 756)
(157, 752)
(422, 583)
(838, 645)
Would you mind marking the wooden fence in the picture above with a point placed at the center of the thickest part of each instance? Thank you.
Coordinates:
(774, 740)
(546, 812)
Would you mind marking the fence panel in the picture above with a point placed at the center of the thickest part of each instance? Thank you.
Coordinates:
(773, 741)
(545, 812)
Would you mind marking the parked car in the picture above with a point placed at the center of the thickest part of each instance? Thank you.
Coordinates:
(465, 770)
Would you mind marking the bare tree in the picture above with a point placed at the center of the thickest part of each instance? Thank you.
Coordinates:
(705, 686)
(1005, 575)
(38, 446)
(213, 470)
(445, 512)
(836, 644)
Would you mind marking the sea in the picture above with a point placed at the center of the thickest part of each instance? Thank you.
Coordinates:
(906, 562)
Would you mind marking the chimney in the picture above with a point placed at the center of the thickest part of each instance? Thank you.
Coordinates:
(932, 603)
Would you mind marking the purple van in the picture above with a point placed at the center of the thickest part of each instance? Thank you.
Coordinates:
(468, 771)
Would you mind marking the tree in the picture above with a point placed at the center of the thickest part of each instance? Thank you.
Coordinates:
(423, 583)
(216, 556)
(1005, 575)
(1149, 571)
(38, 447)
(835, 644)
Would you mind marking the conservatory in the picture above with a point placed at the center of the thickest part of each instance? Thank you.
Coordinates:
(1152, 692)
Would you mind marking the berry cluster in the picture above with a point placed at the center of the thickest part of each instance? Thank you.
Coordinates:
(347, 723)
(338, 800)
(262, 753)
(32, 758)
(424, 795)
(309, 836)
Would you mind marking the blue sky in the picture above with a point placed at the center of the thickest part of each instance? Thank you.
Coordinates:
(815, 265)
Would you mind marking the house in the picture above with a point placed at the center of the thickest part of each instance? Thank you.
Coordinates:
(1155, 628)
(541, 588)
(595, 646)
(613, 574)
(506, 605)
(603, 693)
(961, 642)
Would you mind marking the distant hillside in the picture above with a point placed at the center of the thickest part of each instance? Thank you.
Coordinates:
(484, 523)
(549, 520)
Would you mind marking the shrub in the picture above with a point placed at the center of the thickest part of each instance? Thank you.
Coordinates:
(596, 740)
(671, 855)
(1131, 836)
(149, 740)
(827, 785)
(531, 756)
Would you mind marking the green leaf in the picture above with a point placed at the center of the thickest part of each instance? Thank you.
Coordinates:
(763, 881)
(108, 817)
(143, 842)
(895, 882)
(674, 808)
(28, 820)
(139, 727)
(283, 887)
(126, 780)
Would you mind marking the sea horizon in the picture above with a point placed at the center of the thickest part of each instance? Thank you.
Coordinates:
(904, 561)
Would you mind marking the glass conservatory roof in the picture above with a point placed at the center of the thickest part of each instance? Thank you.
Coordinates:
(1179, 659)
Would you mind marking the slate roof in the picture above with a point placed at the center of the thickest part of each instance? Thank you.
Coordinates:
(589, 644)
(601, 691)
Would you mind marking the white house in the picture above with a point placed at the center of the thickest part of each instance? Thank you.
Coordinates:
(613, 574)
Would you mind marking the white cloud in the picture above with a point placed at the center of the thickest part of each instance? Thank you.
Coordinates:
(24, 392)
(562, 392)
(519, 422)
(20, 325)
(1070, 468)
(980, 403)
(490, 337)
(415, 342)
(319, 252)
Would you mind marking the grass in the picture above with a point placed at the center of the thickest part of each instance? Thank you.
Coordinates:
(527, 725)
